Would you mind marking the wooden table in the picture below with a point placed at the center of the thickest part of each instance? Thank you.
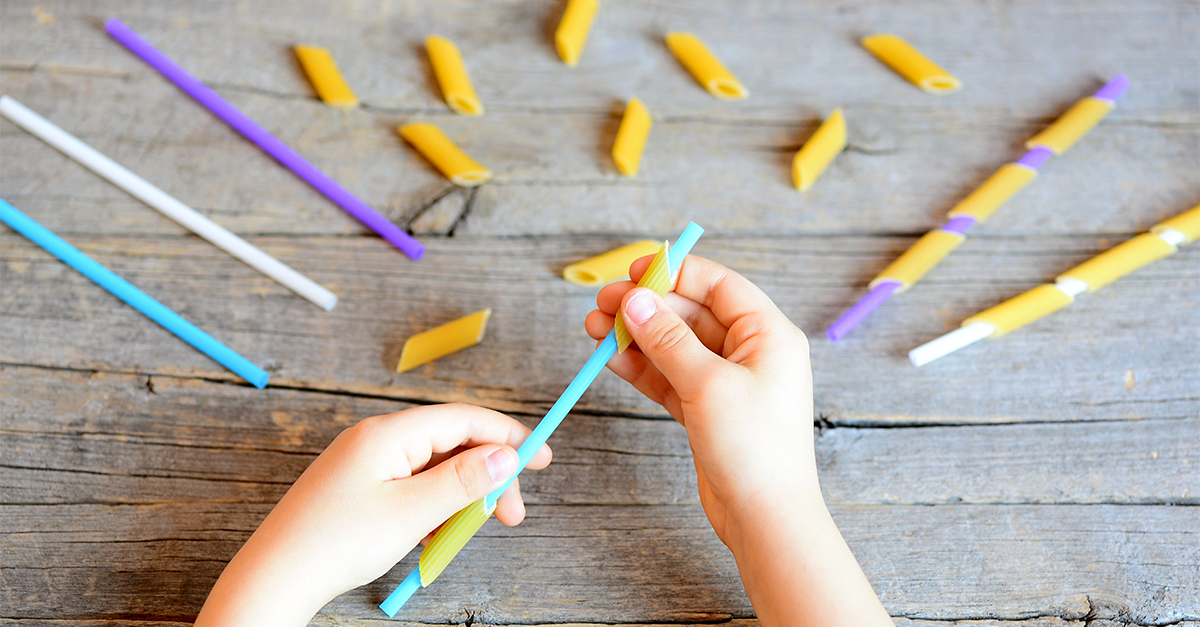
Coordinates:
(1050, 477)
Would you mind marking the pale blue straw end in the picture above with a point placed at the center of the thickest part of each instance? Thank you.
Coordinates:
(402, 593)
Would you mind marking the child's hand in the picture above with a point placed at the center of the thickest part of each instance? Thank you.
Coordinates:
(722, 359)
(376, 491)
(726, 363)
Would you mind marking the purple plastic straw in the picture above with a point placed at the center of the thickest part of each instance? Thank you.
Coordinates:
(862, 309)
(268, 142)
(959, 225)
(1113, 89)
(1036, 157)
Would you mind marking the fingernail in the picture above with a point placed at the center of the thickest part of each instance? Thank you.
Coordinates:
(640, 307)
(501, 465)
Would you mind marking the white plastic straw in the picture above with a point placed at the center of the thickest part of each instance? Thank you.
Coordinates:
(950, 342)
(142, 190)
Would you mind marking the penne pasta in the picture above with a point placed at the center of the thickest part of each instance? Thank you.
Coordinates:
(438, 342)
(1020, 311)
(908, 62)
(820, 149)
(994, 192)
(705, 67)
(610, 266)
(452, 76)
(631, 138)
(436, 555)
(1120, 260)
(323, 73)
(919, 259)
(1186, 224)
(657, 278)
(448, 158)
(572, 33)
(1072, 125)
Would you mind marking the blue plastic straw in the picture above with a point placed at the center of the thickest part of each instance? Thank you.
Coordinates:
(555, 416)
(138, 299)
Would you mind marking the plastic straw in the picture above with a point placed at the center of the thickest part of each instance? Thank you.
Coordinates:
(138, 299)
(139, 188)
(885, 290)
(554, 417)
(268, 142)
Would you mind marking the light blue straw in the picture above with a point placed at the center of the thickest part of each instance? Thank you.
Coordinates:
(555, 416)
(138, 299)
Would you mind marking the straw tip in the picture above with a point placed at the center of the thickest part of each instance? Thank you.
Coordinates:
(1113, 88)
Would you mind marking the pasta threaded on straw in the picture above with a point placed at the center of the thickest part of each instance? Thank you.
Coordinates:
(323, 73)
(440, 551)
(1120, 260)
(448, 158)
(919, 259)
(908, 62)
(610, 266)
(631, 138)
(452, 76)
(657, 278)
(994, 192)
(705, 67)
(820, 149)
(1072, 125)
(572, 33)
(1020, 311)
(438, 342)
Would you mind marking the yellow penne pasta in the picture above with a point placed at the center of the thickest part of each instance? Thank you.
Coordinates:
(433, 144)
(919, 259)
(631, 138)
(908, 62)
(1187, 223)
(1120, 260)
(705, 67)
(657, 278)
(819, 151)
(436, 555)
(1072, 125)
(573, 29)
(610, 266)
(452, 76)
(1020, 311)
(323, 73)
(438, 342)
(995, 191)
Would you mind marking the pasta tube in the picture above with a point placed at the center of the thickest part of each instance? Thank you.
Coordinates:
(438, 342)
(436, 555)
(631, 137)
(1120, 260)
(1020, 311)
(1072, 125)
(657, 278)
(323, 73)
(610, 266)
(994, 192)
(449, 159)
(452, 76)
(819, 151)
(1186, 223)
(572, 33)
(908, 62)
(705, 67)
(919, 259)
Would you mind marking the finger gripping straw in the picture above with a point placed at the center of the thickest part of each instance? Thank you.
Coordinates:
(136, 298)
(454, 534)
(268, 142)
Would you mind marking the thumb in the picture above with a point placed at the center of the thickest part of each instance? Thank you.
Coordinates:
(459, 481)
(668, 342)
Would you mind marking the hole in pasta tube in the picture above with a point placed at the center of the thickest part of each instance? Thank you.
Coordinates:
(464, 105)
(940, 84)
(728, 90)
(471, 178)
(581, 277)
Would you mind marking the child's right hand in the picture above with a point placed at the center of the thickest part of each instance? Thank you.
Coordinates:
(722, 359)
(726, 363)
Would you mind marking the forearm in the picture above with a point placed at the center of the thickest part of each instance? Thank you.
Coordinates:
(798, 570)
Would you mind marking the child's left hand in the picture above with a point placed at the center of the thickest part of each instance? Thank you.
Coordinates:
(363, 504)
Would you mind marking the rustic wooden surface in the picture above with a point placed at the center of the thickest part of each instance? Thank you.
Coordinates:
(1046, 479)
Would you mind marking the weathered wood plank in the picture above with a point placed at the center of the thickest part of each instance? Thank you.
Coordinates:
(661, 563)
(114, 442)
(1070, 366)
